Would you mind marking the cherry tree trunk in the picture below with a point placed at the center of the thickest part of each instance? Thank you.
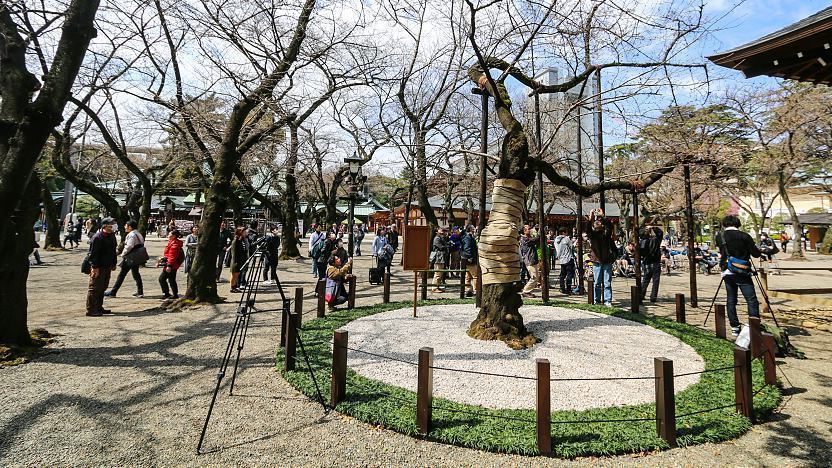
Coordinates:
(499, 317)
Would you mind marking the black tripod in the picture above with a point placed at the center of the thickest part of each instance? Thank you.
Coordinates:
(245, 309)
(756, 277)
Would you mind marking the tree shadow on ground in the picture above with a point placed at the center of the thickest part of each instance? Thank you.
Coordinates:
(163, 359)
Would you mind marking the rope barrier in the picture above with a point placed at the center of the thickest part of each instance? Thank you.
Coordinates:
(464, 371)
(603, 378)
(381, 356)
(718, 369)
(732, 405)
(759, 390)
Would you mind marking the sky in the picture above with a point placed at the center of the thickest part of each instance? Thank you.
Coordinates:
(754, 19)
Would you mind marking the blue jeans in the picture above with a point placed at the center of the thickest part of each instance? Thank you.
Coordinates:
(745, 284)
(602, 275)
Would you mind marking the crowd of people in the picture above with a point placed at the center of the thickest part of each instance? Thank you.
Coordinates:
(453, 252)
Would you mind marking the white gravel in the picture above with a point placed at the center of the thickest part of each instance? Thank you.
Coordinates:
(578, 344)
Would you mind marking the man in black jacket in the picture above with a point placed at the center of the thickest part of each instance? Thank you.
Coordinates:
(468, 254)
(737, 244)
(102, 262)
(649, 248)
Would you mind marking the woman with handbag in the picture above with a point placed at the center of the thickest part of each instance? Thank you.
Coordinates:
(133, 257)
(170, 262)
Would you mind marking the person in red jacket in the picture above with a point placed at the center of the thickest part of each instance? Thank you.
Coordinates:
(170, 262)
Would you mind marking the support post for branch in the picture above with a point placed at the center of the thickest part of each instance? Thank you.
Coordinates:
(321, 289)
(742, 382)
(719, 320)
(291, 341)
(665, 401)
(541, 212)
(543, 407)
(635, 299)
(338, 387)
(284, 323)
(680, 307)
(424, 391)
(754, 326)
(689, 221)
(351, 293)
(769, 348)
(636, 253)
(764, 284)
(385, 297)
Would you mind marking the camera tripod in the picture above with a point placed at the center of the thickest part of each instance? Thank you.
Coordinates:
(755, 275)
(245, 309)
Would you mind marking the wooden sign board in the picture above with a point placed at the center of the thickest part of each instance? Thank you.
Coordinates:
(417, 241)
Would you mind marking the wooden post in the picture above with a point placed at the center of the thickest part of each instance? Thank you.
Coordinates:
(299, 303)
(665, 401)
(321, 288)
(385, 297)
(462, 276)
(719, 320)
(479, 287)
(284, 322)
(769, 348)
(424, 391)
(590, 291)
(635, 299)
(424, 285)
(680, 307)
(415, 290)
(351, 293)
(764, 306)
(742, 382)
(543, 407)
(756, 339)
(338, 387)
(291, 341)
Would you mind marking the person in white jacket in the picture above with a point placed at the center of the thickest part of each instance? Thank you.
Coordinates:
(132, 243)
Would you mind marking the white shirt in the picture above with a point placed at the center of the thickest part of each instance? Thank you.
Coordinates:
(132, 240)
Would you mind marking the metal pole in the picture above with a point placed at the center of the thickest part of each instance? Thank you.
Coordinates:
(636, 254)
(483, 179)
(579, 207)
(600, 138)
(689, 221)
(483, 162)
(350, 223)
(541, 213)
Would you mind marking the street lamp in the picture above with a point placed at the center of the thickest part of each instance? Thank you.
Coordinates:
(354, 166)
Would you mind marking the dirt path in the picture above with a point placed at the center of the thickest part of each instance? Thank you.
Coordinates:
(132, 389)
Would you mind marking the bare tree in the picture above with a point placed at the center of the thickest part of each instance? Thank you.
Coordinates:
(499, 316)
(29, 110)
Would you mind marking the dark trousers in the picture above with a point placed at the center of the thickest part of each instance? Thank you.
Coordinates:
(745, 284)
(270, 265)
(123, 274)
(168, 277)
(651, 271)
(567, 274)
(99, 279)
(321, 270)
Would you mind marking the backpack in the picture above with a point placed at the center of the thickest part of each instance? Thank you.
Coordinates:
(316, 248)
(180, 259)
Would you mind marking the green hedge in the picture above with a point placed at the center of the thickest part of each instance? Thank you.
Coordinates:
(393, 408)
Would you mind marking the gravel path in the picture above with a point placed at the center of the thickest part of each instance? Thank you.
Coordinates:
(132, 390)
(578, 344)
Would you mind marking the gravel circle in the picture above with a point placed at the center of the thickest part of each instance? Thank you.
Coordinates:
(578, 344)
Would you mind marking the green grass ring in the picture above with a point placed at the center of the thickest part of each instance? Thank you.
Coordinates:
(394, 408)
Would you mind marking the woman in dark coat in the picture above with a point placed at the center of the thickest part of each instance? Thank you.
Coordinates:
(239, 255)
